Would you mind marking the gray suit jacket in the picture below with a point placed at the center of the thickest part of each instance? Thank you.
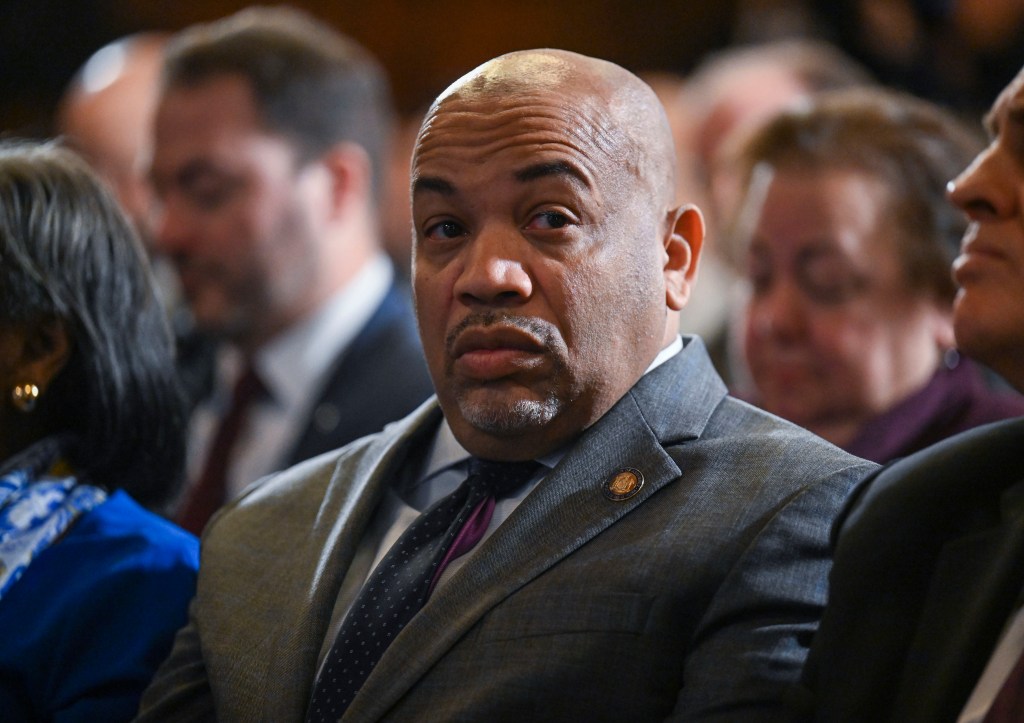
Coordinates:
(698, 596)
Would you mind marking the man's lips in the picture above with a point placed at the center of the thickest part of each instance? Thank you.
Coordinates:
(495, 351)
(784, 374)
(977, 254)
(192, 276)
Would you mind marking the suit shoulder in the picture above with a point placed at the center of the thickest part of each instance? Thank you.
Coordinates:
(293, 492)
(766, 464)
(384, 367)
(298, 492)
(966, 472)
(756, 434)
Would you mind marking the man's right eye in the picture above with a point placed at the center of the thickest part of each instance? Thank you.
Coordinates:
(444, 230)
(210, 198)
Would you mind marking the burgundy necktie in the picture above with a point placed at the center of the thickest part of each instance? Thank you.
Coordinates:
(210, 489)
(401, 583)
(1008, 706)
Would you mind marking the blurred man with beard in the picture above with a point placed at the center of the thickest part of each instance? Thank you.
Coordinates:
(269, 148)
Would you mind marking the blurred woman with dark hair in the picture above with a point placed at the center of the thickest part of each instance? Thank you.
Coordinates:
(92, 585)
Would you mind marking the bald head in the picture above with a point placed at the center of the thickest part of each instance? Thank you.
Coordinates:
(107, 111)
(548, 261)
(622, 116)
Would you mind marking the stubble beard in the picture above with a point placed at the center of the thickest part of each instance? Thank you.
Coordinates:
(505, 420)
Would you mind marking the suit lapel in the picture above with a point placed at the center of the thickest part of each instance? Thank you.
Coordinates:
(566, 510)
(361, 393)
(977, 581)
(331, 538)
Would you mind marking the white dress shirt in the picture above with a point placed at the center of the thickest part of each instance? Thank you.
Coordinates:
(294, 367)
(1008, 651)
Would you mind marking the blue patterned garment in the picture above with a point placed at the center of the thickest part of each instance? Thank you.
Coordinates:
(39, 500)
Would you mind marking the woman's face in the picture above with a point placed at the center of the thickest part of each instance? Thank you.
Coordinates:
(833, 332)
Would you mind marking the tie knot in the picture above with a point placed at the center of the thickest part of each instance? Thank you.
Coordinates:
(500, 479)
(248, 386)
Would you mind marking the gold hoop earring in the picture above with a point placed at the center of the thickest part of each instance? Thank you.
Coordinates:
(25, 397)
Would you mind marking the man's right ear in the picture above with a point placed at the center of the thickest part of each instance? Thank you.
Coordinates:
(683, 243)
(351, 174)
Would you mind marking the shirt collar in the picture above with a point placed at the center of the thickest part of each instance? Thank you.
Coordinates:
(674, 347)
(297, 360)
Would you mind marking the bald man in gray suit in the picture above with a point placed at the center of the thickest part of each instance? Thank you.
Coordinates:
(668, 555)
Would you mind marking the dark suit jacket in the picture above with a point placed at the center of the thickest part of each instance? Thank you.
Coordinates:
(380, 377)
(695, 598)
(927, 569)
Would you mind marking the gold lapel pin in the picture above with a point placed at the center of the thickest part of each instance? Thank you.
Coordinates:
(624, 484)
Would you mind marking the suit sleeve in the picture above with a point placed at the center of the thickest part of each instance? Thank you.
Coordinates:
(750, 647)
(180, 690)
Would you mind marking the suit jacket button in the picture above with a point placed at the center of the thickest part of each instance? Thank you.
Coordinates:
(624, 484)
(326, 417)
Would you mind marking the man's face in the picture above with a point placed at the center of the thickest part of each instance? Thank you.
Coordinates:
(988, 316)
(239, 219)
(537, 268)
(833, 333)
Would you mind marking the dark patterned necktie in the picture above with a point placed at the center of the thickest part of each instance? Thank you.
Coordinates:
(401, 583)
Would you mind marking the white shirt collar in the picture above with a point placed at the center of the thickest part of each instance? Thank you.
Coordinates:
(297, 360)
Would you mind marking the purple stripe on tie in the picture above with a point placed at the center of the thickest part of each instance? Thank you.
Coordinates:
(470, 534)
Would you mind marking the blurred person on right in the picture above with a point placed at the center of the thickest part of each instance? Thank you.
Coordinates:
(848, 327)
(924, 621)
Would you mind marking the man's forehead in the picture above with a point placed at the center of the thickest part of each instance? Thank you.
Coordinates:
(562, 114)
(598, 113)
(218, 112)
(451, 182)
(533, 124)
(519, 98)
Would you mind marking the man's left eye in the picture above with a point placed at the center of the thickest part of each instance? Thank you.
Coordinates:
(549, 219)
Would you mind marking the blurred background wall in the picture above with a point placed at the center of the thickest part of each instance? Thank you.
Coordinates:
(959, 52)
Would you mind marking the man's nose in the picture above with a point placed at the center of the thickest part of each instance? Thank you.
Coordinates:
(987, 189)
(778, 311)
(495, 270)
(171, 227)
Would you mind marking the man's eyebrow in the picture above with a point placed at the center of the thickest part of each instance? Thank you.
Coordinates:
(1014, 114)
(184, 176)
(990, 123)
(432, 183)
(555, 168)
